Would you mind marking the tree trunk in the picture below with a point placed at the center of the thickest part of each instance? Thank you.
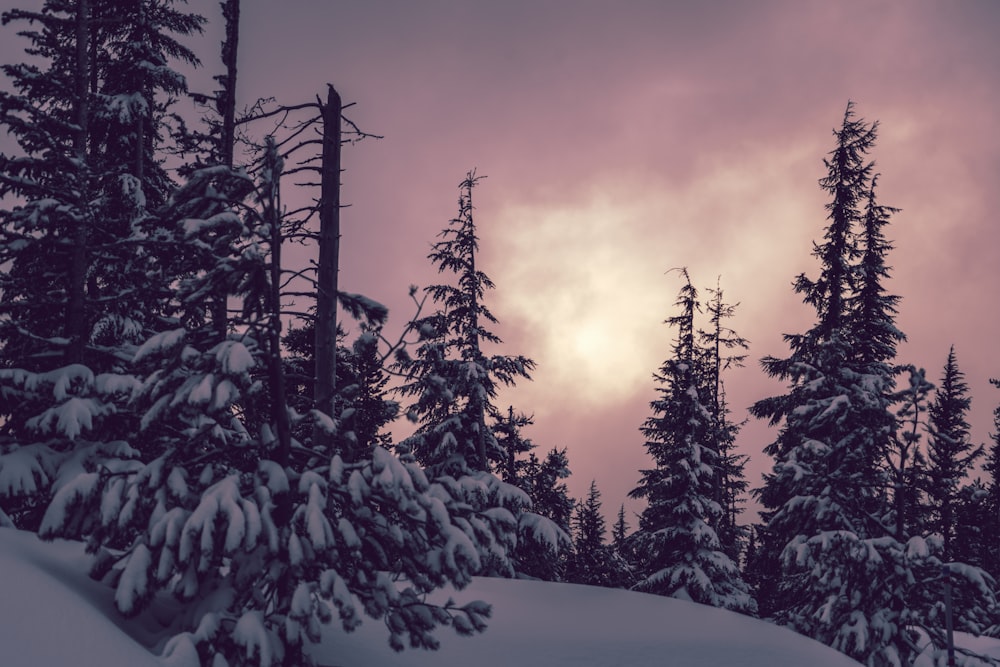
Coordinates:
(325, 387)
(76, 324)
(227, 142)
(276, 373)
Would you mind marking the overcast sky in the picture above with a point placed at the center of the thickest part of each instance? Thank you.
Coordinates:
(622, 139)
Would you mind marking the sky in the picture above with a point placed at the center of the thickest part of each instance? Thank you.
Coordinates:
(622, 140)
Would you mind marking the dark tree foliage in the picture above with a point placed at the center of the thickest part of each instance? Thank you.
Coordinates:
(677, 547)
(543, 546)
(722, 349)
(907, 465)
(845, 579)
(950, 454)
(594, 562)
(164, 431)
(507, 431)
(83, 267)
(452, 379)
(991, 516)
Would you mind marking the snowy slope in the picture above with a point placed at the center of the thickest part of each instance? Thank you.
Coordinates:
(556, 625)
(51, 615)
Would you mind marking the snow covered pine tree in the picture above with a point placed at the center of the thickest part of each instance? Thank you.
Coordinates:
(161, 439)
(84, 279)
(454, 383)
(677, 548)
(846, 579)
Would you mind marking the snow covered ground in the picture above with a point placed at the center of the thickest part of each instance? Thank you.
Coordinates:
(52, 614)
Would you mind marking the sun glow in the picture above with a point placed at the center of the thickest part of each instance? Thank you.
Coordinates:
(586, 295)
(587, 285)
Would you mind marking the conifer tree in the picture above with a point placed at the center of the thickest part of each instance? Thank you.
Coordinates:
(621, 545)
(84, 278)
(454, 382)
(507, 431)
(452, 379)
(906, 462)
(991, 519)
(845, 579)
(594, 562)
(950, 454)
(723, 348)
(678, 550)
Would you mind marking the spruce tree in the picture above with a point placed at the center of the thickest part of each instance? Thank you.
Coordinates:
(594, 562)
(85, 273)
(991, 520)
(452, 378)
(906, 462)
(723, 349)
(845, 579)
(950, 454)
(677, 547)
(453, 383)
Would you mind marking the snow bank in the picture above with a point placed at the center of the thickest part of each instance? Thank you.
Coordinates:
(562, 625)
(52, 614)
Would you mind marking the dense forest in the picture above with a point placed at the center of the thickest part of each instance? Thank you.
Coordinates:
(213, 420)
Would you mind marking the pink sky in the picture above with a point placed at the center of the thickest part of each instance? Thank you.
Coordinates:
(623, 139)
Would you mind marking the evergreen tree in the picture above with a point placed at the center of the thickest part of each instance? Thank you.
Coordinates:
(950, 454)
(543, 546)
(719, 343)
(454, 382)
(845, 579)
(991, 516)
(594, 562)
(84, 274)
(678, 550)
(906, 462)
(507, 431)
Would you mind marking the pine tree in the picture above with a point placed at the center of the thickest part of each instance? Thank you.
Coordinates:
(593, 562)
(507, 431)
(950, 454)
(678, 550)
(544, 538)
(991, 516)
(906, 462)
(719, 343)
(845, 579)
(453, 380)
(84, 279)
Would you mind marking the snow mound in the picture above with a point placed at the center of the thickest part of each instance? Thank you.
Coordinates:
(52, 614)
(536, 624)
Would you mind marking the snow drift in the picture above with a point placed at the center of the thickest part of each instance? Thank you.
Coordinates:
(52, 614)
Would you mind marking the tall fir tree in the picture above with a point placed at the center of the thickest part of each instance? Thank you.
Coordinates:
(452, 378)
(950, 453)
(723, 349)
(85, 270)
(907, 464)
(845, 579)
(594, 562)
(678, 549)
(991, 521)
(454, 382)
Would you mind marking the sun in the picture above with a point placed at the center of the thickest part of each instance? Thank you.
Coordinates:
(588, 300)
